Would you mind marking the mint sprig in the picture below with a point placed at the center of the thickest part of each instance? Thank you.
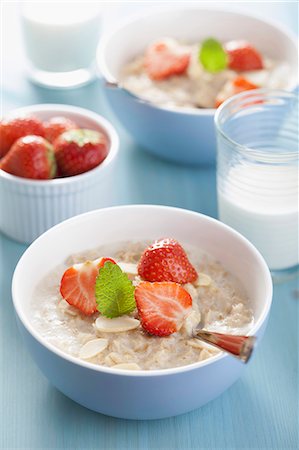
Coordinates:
(114, 291)
(213, 56)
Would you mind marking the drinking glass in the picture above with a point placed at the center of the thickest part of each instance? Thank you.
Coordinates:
(60, 40)
(257, 173)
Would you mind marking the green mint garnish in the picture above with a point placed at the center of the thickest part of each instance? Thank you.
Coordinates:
(213, 56)
(114, 291)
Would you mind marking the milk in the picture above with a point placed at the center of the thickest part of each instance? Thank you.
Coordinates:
(261, 202)
(61, 37)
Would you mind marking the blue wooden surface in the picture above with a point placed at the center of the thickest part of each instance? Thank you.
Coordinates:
(260, 411)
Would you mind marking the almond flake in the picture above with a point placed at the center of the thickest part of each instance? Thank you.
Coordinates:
(117, 324)
(127, 366)
(203, 280)
(92, 348)
(129, 268)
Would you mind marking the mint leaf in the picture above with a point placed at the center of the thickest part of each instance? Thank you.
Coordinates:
(114, 291)
(213, 56)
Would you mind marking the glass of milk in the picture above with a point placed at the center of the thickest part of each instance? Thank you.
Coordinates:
(257, 173)
(60, 40)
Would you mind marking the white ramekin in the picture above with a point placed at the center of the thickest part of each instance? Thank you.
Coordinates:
(30, 207)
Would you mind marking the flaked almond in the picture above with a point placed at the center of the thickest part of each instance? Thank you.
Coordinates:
(203, 280)
(116, 325)
(93, 348)
(127, 366)
(129, 268)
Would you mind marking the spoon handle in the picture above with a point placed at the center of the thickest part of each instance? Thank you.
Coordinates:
(239, 346)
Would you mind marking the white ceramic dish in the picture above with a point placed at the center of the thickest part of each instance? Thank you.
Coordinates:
(182, 135)
(139, 394)
(30, 207)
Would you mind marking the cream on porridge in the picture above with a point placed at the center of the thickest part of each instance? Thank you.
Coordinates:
(218, 301)
(170, 74)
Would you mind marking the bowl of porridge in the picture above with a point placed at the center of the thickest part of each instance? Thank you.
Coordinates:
(164, 85)
(107, 303)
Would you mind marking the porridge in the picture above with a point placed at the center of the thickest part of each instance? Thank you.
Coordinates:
(174, 74)
(150, 298)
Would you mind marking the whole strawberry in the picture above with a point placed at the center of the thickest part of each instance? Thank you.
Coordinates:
(166, 260)
(30, 157)
(57, 125)
(78, 151)
(13, 129)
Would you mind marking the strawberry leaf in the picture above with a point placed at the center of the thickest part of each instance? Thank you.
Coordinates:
(213, 56)
(114, 291)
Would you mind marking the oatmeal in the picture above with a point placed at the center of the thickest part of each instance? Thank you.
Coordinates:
(213, 297)
(171, 74)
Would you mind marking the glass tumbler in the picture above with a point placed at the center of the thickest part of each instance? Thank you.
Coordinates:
(60, 40)
(257, 173)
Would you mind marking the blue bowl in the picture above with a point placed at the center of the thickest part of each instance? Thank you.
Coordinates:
(181, 135)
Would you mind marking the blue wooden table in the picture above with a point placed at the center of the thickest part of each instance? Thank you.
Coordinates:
(260, 411)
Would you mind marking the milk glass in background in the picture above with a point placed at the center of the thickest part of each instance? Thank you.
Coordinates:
(60, 40)
(257, 173)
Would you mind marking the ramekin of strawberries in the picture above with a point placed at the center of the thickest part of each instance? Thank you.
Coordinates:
(54, 160)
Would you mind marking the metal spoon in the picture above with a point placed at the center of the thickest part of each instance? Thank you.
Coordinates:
(240, 347)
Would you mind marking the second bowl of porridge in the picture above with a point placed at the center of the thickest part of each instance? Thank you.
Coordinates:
(109, 313)
(161, 85)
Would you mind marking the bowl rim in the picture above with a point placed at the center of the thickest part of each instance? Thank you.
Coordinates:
(107, 127)
(110, 80)
(125, 372)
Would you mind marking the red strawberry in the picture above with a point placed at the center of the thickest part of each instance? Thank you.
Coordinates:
(162, 307)
(56, 126)
(163, 60)
(13, 129)
(77, 285)
(166, 260)
(78, 151)
(242, 56)
(30, 157)
(238, 84)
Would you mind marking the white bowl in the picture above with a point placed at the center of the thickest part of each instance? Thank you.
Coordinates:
(182, 135)
(139, 394)
(30, 207)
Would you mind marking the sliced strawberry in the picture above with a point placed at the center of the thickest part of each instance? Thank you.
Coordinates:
(165, 59)
(162, 307)
(242, 84)
(166, 260)
(77, 285)
(57, 125)
(243, 57)
(238, 84)
(13, 129)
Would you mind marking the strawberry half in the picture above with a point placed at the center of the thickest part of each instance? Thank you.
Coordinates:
(78, 151)
(232, 87)
(30, 157)
(11, 130)
(243, 57)
(77, 285)
(162, 307)
(55, 126)
(166, 260)
(165, 59)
